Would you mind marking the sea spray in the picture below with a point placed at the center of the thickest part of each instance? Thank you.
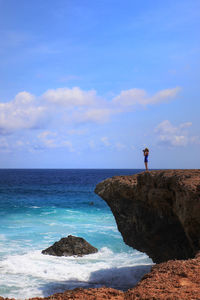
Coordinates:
(34, 274)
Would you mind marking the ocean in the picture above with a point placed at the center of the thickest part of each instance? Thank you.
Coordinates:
(40, 206)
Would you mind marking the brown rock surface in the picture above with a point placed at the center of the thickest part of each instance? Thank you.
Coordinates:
(172, 280)
(157, 212)
(87, 294)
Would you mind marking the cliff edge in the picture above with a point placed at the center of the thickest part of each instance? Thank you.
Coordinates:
(157, 212)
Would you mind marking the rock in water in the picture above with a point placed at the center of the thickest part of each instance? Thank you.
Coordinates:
(69, 246)
(157, 212)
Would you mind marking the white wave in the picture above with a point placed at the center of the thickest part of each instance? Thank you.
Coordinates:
(2, 237)
(34, 207)
(49, 212)
(53, 224)
(34, 274)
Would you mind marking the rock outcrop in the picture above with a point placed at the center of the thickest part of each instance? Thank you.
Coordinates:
(157, 212)
(70, 246)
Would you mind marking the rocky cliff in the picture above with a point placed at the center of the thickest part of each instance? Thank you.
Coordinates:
(157, 212)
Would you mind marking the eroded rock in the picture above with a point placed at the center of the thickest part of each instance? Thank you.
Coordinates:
(70, 246)
(157, 212)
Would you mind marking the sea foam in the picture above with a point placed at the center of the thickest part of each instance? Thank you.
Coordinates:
(34, 274)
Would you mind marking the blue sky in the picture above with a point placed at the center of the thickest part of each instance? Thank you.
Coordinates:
(89, 84)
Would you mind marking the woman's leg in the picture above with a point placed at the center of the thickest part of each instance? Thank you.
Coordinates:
(146, 165)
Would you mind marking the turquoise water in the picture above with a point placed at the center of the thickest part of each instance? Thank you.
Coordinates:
(37, 208)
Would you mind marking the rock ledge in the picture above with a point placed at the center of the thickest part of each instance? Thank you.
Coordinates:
(157, 212)
(70, 246)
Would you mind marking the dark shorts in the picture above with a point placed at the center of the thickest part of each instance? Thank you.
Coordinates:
(146, 158)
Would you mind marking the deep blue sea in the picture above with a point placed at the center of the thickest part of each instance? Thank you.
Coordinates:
(37, 208)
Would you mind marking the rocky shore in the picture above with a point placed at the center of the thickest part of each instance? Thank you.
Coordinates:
(157, 212)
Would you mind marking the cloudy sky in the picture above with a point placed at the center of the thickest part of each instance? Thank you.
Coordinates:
(89, 84)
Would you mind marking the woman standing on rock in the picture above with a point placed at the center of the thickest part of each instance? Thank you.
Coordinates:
(146, 154)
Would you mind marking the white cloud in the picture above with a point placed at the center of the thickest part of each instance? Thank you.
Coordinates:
(96, 115)
(51, 139)
(119, 146)
(23, 98)
(71, 97)
(50, 143)
(48, 139)
(195, 140)
(77, 131)
(70, 106)
(78, 106)
(163, 96)
(175, 140)
(68, 145)
(21, 113)
(130, 97)
(43, 135)
(174, 135)
(105, 141)
(135, 97)
(185, 125)
(166, 127)
(4, 146)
